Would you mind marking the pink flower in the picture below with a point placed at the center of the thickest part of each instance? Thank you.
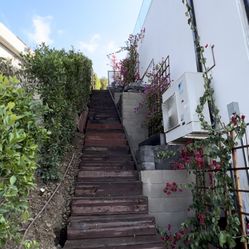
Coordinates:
(216, 166)
(199, 159)
(201, 217)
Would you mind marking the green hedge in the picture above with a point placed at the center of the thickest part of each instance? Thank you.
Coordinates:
(20, 133)
(63, 81)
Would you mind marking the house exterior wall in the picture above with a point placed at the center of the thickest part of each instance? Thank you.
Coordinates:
(167, 33)
(10, 45)
(220, 23)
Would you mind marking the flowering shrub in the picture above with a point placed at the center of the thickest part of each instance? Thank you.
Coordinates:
(128, 67)
(153, 94)
(171, 188)
(172, 239)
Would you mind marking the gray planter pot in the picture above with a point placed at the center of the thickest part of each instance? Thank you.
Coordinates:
(146, 158)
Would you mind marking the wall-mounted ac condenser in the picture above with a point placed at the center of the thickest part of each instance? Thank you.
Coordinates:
(180, 101)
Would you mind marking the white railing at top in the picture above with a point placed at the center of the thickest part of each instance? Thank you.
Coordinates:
(142, 15)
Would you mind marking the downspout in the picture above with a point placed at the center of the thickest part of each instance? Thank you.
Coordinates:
(197, 55)
(195, 36)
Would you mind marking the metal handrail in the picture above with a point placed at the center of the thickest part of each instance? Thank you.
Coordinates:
(146, 71)
(125, 131)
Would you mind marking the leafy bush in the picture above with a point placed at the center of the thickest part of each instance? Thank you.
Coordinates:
(63, 81)
(20, 133)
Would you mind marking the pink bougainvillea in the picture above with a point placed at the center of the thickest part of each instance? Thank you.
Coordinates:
(171, 187)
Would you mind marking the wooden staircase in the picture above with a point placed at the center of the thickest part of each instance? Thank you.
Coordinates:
(108, 209)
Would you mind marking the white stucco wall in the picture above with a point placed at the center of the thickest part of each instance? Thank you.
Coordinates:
(167, 33)
(10, 45)
(221, 23)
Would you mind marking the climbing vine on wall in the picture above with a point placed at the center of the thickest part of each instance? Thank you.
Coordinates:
(214, 221)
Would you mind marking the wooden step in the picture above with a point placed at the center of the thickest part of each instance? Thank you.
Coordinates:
(109, 205)
(107, 167)
(111, 226)
(97, 126)
(105, 135)
(103, 157)
(101, 189)
(138, 242)
(108, 210)
(110, 175)
(105, 142)
(107, 150)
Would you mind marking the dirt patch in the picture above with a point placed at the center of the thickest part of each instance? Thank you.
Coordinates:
(49, 230)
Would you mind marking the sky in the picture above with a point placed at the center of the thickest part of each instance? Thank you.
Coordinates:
(95, 27)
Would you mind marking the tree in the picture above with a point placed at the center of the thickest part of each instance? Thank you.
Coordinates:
(96, 84)
(104, 83)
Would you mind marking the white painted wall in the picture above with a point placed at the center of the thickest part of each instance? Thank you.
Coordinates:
(10, 45)
(222, 23)
(167, 33)
(227, 29)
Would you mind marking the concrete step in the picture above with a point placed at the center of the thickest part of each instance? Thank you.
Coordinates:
(111, 226)
(110, 175)
(101, 189)
(138, 242)
(85, 206)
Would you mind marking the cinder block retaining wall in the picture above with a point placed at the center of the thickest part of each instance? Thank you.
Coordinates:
(167, 209)
(134, 121)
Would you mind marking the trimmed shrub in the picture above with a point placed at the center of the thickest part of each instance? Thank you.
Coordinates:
(63, 81)
(20, 133)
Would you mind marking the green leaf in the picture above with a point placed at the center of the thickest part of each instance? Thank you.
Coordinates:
(10, 105)
(222, 239)
(12, 180)
(243, 239)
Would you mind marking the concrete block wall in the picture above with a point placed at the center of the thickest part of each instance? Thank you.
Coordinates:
(134, 122)
(167, 209)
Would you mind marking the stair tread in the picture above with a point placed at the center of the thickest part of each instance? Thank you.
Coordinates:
(108, 209)
(146, 242)
(112, 217)
(95, 189)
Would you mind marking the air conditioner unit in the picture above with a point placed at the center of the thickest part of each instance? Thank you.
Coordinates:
(180, 101)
